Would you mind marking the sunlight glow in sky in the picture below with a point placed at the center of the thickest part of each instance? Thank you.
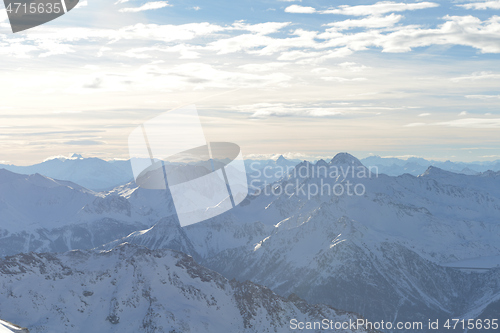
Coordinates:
(311, 78)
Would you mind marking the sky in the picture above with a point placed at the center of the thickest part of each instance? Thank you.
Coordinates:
(306, 79)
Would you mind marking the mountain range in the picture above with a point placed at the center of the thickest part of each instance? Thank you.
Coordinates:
(415, 166)
(401, 248)
(134, 289)
(384, 254)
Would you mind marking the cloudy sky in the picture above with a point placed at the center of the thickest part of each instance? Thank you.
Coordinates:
(307, 78)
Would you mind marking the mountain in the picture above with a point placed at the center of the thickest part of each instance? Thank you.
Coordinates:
(43, 214)
(99, 175)
(92, 173)
(469, 171)
(264, 172)
(416, 166)
(134, 289)
(345, 160)
(393, 250)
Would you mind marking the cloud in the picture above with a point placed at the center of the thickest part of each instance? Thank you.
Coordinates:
(482, 96)
(477, 76)
(199, 76)
(84, 142)
(342, 79)
(147, 6)
(463, 113)
(17, 48)
(288, 155)
(482, 5)
(339, 110)
(309, 57)
(145, 52)
(403, 157)
(265, 110)
(424, 114)
(379, 8)
(415, 125)
(265, 67)
(96, 83)
(265, 28)
(299, 45)
(352, 66)
(297, 9)
(3, 15)
(294, 55)
(472, 123)
(244, 42)
(457, 30)
(369, 22)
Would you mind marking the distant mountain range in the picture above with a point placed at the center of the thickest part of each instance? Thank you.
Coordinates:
(100, 175)
(416, 166)
(92, 173)
(402, 248)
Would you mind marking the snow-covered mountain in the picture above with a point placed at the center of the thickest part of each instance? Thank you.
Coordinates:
(134, 289)
(264, 172)
(394, 251)
(385, 253)
(100, 175)
(40, 214)
(416, 166)
(92, 173)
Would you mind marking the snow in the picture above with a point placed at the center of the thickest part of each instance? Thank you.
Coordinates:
(486, 262)
(395, 242)
(133, 289)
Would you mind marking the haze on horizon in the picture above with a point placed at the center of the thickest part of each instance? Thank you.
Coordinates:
(384, 78)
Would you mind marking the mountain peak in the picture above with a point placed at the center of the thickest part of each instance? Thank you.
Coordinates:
(281, 159)
(434, 171)
(76, 156)
(345, 159)
(6, 175)
(321, 162)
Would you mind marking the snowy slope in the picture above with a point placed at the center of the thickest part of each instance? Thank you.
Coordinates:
(92, 173)
(133, 289)
(378, 254)
(38, 213)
